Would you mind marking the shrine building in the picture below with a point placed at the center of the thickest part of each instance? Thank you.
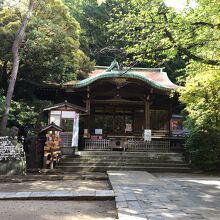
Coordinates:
(126, 109)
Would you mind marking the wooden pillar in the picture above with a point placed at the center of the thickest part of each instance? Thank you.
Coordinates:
(147, 113)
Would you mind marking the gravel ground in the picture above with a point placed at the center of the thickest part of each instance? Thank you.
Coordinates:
(65, 185)
(57, 210)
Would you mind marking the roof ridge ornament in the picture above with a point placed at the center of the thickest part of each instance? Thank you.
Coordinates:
(113, 65)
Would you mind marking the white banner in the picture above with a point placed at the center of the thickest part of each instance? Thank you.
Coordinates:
(75, 131)
(147, 135)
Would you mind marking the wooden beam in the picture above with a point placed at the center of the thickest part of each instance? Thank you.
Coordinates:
(117, 101)
(114, 92)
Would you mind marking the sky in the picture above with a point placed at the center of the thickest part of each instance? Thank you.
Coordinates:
(180, 4)
(177, 4)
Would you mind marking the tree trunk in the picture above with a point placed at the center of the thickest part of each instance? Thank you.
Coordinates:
(15, 51)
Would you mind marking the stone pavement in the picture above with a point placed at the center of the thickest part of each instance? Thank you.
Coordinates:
(62, 195)
(51, 187)
(140, 195)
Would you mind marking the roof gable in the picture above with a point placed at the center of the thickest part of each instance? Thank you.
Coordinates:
(65, 106)
(51, 127)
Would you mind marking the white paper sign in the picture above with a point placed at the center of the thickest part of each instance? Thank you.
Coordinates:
(128, 127)
(75, 137)
(68, 114)
(147, 135)
(98, 131)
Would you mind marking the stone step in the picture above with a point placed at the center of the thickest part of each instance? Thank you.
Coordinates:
(101, 161)
(133, 160)
(129, 154)
(134, 168)
(153, 155)
(137, 159)
(64, 163)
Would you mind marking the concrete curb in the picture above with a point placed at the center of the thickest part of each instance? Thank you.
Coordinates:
(48, 177)
(59, 195)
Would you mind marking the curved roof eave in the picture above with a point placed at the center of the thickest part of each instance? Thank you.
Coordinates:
(130, 75)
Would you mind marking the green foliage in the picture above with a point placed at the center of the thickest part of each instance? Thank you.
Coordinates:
(94, 36)
(10, 23)
(50, 51)
(205, 148)
(157, 35)
(25, 116)
(21, 115)
(201, 95)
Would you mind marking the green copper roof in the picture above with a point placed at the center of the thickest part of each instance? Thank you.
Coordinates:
(121, 74)
(155, 77)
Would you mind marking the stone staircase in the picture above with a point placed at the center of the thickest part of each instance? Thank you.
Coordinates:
(101, 161)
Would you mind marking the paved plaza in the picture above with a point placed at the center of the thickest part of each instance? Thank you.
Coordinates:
(140, 195)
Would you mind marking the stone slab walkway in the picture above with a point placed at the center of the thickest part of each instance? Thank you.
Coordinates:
(140, 195)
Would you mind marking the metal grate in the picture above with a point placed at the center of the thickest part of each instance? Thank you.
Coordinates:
(97, 144)
(130, 145)
(140, 145)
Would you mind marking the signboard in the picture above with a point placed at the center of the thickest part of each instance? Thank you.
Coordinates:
(86, 133)
(68, 114)
(98, 131)
(128, 128)
(147, 135)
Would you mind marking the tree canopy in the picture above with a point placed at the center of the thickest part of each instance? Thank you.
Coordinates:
(201, 95)
(50, 51)
(149, 33)
(94, 38)
(155, 33)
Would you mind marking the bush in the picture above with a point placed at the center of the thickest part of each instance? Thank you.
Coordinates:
(201, 95)
(24, 115)
(205, 146)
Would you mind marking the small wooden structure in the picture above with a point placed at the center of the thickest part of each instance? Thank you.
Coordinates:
(52, 151)
(66, 116)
